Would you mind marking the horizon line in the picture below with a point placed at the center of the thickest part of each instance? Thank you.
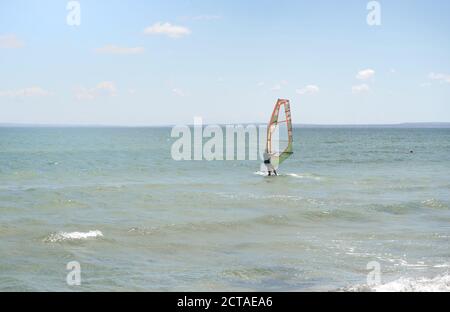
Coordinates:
(81, 125)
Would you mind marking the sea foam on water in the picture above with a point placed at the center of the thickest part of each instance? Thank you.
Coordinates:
(439, 283)
(62, 236)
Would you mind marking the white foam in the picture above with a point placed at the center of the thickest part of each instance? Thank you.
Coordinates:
(261, 173)
(440, 283)
(293, 175)
(444, 265)
(62, 236)
(304, 176)
(437, 284)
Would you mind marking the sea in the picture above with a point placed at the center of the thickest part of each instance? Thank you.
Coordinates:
(354, 209)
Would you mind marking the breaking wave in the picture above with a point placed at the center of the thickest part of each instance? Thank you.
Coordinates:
(440, 283)
(292, 175)
(65, 236)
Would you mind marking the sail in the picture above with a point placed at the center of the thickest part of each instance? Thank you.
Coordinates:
(279, 133)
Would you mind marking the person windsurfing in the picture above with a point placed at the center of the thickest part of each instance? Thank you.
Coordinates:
(268, 164)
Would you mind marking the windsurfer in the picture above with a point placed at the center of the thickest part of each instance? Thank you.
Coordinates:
(268, 164)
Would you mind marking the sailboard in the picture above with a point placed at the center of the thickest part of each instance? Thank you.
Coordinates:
(279, 134)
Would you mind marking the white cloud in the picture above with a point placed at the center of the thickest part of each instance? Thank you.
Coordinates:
(309, 89)
(439, 77)
(178, 92)
(365, 74)
(173, 31)
(10, 42)
(26, 92)
(260, 84)
(276, 87)
(362, 88)
(113, 49)
(105, 88)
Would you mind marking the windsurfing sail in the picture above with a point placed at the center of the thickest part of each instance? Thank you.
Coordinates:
(279, 133)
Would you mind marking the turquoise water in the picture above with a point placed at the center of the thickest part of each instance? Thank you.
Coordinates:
(115, 201)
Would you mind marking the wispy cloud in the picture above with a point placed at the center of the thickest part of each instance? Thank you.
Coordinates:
(362, 88)
(172, 31)
(279, 85)
(10, 42)
(309, 89)
(102, 89)
(178, 92)
(276, 87)
(25, 93)
(365, 74)
(444, 78)
(114, 49)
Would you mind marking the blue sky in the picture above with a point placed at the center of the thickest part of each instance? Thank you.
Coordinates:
(164, 62)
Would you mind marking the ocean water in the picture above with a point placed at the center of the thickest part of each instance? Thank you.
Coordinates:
(136, 220)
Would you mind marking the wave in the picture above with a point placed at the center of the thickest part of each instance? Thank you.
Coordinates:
(410, 207)
(250, 196)
(439, 283)
(261, 173)
(293, 175)
(64, 236)
(259, 274)
(304, 176)
(100, 186)
(435, 204)
(216, 227)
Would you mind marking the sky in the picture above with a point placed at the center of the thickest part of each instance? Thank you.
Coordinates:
(163, 62)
